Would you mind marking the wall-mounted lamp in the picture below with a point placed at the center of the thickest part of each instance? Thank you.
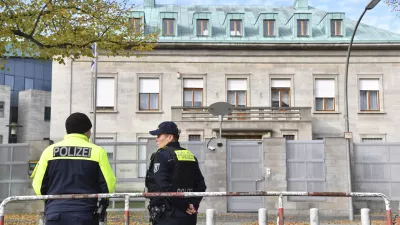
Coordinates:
(178, 75)
(14, 128)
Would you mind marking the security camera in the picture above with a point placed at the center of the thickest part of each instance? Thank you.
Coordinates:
(211, 148)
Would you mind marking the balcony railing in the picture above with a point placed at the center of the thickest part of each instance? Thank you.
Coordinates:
(243, 114)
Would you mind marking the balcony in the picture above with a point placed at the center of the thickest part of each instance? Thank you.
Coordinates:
(253, 114)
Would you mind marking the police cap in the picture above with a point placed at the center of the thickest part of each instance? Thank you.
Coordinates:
(166, 127)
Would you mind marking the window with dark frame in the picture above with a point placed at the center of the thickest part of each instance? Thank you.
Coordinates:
(194, 137)
(1, 109)
(302, 28)
(336, 27)
(269, 28)
(168, 27)
(236, 28)
(47, 113)
(202, 27)
(289, 137)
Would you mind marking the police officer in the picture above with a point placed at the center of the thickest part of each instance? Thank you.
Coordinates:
(173, 169)
(73, 166)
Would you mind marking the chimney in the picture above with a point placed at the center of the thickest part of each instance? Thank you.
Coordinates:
(149, 3)
(301, 4)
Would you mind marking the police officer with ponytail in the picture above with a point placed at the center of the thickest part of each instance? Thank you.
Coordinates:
(73, 166)
(173, 169)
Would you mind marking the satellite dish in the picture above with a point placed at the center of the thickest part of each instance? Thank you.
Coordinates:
(220, 108)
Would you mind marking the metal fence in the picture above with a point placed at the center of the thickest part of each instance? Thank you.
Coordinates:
(306, 167)
(127, 198)
(129, 161)
(14, 176)
(376, 168)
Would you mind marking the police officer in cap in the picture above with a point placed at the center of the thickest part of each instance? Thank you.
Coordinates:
(73, 166)
(173, 169)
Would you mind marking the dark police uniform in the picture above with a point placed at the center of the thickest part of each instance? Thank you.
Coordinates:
(73, 166)
(174, 169)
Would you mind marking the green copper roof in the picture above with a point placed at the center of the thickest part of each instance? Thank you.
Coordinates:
(252, 20)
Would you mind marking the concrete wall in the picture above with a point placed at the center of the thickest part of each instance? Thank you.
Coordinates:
(72, 87)
(5, 96)
(31, 111)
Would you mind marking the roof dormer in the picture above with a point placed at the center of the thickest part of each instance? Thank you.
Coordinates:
(333, 24)
(234, 24)
(268, 24)
(202, 26)
(301, 25)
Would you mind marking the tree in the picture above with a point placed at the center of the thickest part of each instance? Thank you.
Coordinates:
(60, 29)
(394, 3)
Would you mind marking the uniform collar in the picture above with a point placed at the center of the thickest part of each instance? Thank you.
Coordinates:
(80, 136)
(173, 144)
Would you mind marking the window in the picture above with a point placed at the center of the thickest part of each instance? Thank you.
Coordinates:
(371, 140)
(280, 93)
(168, 27)
(47, 113)
(202, 27)
(28, 83)
(369, 94)
(289, 137)
(194, 137)
(324, 94)
(136, 24)
(269, 28)
(105, 93)
(237, 92)
(9, 81)
(1, 139)
(336, 27)
(1, 109)
(302, 28)
(236, 27)
(149, 93)
(193, 92)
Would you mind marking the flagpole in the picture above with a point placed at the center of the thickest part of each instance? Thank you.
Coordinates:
(95, 94)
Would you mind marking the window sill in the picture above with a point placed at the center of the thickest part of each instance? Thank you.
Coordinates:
(371, 112)
(326, 112)
(149, 112)
(105, 111)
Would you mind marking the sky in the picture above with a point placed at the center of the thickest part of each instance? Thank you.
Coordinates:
(381, 16)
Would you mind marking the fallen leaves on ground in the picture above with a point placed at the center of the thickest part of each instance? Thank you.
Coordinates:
(140, 218)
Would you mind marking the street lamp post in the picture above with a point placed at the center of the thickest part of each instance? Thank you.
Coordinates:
(370, 6)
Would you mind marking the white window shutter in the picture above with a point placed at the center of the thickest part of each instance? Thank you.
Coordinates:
(325, 88)
(105, 92)
(237, 84)
(281, 83)
(149, 85)
(193, 83)
(369, 84)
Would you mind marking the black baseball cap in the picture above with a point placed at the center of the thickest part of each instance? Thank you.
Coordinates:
(166, 127)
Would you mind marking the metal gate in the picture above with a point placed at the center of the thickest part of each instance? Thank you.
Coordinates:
(245, 173)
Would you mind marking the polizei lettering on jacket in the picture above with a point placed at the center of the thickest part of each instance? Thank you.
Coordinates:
(64, 151)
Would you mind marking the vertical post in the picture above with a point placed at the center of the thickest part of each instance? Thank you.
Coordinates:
(95, 96)
(280, 211)
(210, 217)
(314, 216)
(2, 214)
(365, 219)
(220, 126)
(389, 217)
(11, 167)
(126, 212)
(262, 216)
